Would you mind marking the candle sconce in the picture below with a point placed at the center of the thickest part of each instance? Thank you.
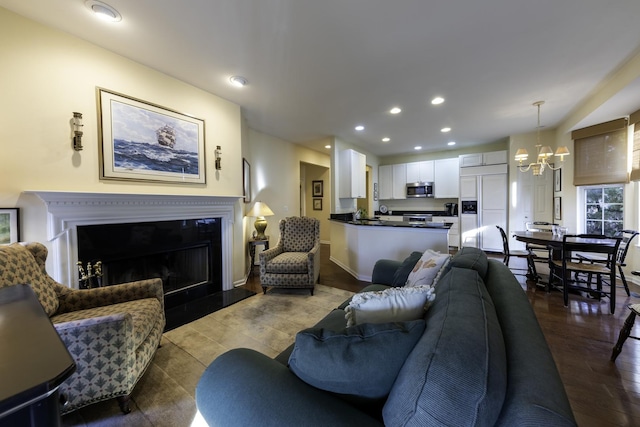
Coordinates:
(77, 131)
(92, 276)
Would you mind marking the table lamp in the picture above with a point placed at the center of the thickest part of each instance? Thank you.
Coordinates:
(260, 210)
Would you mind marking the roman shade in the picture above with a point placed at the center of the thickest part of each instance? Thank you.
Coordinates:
(634, 120)
(601, 154)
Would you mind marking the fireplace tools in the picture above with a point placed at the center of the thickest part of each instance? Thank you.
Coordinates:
(92, 277)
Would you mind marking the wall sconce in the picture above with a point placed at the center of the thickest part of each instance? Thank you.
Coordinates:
(77, 131)
(218, 158)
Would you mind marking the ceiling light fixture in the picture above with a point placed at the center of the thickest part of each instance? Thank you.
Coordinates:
(451, 143)
(395, 110)
(238, 81)
(544, 153)
(445, 130)
(327, 146)
(386, 139)
(103, 11)
(359, 127)
(417, 147)
(437, 100)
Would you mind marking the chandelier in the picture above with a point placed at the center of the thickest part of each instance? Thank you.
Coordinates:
(544, 153)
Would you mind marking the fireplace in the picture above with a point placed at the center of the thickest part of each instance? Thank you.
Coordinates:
(185, 254)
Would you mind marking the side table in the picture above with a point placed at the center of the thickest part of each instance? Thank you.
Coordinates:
(252, 250)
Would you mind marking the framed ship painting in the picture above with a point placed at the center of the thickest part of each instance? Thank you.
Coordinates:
(146, 142)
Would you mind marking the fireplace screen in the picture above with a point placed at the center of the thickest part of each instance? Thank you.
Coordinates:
(183, 253)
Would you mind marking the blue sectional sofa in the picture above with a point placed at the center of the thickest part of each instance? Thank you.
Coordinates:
(480, 359)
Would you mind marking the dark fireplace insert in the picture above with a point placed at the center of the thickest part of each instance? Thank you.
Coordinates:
(186, 254)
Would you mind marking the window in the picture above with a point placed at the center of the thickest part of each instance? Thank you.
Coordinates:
(604, 209)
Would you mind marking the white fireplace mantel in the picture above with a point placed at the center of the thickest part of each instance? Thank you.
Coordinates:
(68, 210)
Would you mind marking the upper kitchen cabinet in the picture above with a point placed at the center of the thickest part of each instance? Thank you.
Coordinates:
(446, 178)
(420, 171)
(392, 181)
(483, 159)
(353, 173)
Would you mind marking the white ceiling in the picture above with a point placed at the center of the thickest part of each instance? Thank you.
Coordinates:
(317, 68)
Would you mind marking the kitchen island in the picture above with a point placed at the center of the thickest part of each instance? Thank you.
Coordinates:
(357, 245)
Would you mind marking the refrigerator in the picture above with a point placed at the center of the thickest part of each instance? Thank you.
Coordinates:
(488, 187)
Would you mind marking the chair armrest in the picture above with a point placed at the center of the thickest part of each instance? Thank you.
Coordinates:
(269, 254)
(242, 378)
(313, 263)
(77, 299)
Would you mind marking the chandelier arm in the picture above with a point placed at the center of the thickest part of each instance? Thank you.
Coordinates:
(552, 168)
(523, 169)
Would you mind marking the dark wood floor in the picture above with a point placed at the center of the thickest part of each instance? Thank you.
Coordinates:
(580, 336)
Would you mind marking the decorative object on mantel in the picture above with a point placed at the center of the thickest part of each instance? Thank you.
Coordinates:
(77, 131)
(141, 141)
(9, 225)
(260, 210)
(544, 152)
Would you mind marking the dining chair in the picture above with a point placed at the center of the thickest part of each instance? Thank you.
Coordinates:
(602, 250)
(539, 253)
(508, 253)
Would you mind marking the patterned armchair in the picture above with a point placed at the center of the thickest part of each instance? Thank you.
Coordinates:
(112, 332)
(295, 261)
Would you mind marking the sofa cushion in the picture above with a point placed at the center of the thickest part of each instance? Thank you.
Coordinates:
(427, 268)
(462, 340)
(389, 305)
(144, 314)
(288, 263)
(18, 266)
(473, 258)
(362, 361)
(401, 274)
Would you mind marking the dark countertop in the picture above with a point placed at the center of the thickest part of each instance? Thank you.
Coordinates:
(400, 213)
(375, 222)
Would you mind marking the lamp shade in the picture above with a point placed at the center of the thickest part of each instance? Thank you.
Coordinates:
(260, 209)
(521, 154)
(562, 151)
(545, 152)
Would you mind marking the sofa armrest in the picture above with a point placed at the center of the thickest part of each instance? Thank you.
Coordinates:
(245, 388)
(76, 299)
(384, 270)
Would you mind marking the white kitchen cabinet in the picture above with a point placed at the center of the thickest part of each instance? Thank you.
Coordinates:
(385, 182)
(446, 180)
(454, 231)
(492, 207)
(399, 181)
(353, 172)
(469, 187)
(483, 159)
(420, 171)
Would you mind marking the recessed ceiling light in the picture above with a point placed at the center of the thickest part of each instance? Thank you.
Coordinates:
(417, 147)
(359, 127)
(238, 81)
(445, 130)
(386, 139)
(437, 100)
(451, 143)
(395, 110)
(103, 11)
(327, 146)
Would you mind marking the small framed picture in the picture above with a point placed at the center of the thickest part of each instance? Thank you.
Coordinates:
(317, 204)
(557, 208)
(9, 225)
(318, 188)
(246, 181)
(557, 180)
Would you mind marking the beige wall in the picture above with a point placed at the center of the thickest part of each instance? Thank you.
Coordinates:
(318, 173)
(47, 75)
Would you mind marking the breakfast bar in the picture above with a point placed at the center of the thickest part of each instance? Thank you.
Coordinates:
(357, 245)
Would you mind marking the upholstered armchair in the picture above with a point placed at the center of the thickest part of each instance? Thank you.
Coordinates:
(295, 261)
(111, 332)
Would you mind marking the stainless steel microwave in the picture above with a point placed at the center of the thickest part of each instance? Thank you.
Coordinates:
(419, 189)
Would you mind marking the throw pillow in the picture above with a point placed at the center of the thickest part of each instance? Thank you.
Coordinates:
(401, 274)
(361, 361)
(389, 305)
(18, 266)
(427, 268)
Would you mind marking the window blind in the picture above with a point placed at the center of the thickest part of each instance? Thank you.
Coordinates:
(601, 154)
(634, 120)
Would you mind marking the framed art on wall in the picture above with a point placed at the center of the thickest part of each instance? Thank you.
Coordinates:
(317, 204)
(318, 188)
(557, 208)
(246, 181)
(141, 141)
(557, 180)
(9, 225)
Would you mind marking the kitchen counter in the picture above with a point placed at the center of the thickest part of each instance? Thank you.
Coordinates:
(357, 245)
